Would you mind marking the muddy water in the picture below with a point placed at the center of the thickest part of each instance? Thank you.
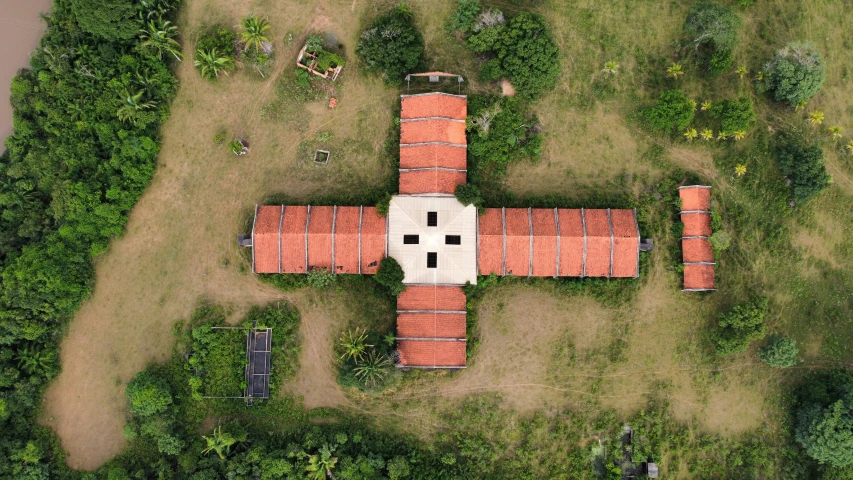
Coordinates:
(20, 31)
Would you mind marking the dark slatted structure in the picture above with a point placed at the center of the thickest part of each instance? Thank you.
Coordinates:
(258, 349)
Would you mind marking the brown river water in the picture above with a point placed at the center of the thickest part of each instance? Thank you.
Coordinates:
(20, 31)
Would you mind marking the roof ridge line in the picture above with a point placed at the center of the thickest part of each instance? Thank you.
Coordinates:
(424, 119)
(409, 95)
(420, 144)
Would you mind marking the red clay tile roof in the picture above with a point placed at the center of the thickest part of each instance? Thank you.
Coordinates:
(626, 243)
(571, 242)
(418, 297)
(517, 242)
(698, 277)
(430, 181)
(434, 155)
(697, 250)
(434, 105)
(320, 238)
(696, 224)
(544, 242)
(597, 243)
(373, 232)
(422, 131)
(490, 248)
(346, 240)
(695, 198)
(431, 353)
(293, 239)
(265, 239)
(431, 325)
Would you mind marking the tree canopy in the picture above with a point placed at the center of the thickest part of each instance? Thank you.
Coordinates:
(803, 165)
(392, 45)
(740, 326)
(672, 112)
(390, 274)
(108, 19)
(148, 395)
(712, 30)
(794, 74)
(825, 426)
(779, 352)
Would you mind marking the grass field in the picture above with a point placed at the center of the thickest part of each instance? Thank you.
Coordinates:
(540, 350)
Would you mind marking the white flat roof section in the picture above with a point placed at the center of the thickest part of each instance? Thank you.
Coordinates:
(455, 264)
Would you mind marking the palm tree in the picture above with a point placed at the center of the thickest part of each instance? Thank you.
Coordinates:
(132, 104)
(373, 369)
(707, 134)
(160, 37)
(219, 442)
(210, 64)
(739, 135)
(706, 105)
(834, 132)
(321, 464)
(690, 134)
(611, 68)
(722, 135)
(849, 147)
(34, 361)
(353, 344)
(741, 71)
(740, 170)
(674, 71)
(254, 35)
(816, 117)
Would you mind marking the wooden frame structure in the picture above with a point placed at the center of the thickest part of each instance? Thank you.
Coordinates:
(330, 74)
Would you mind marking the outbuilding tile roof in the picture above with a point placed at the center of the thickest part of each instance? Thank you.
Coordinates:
(431, 298)
(431, 325)
(432, 130)
(434, 105)
(698, 277)
(544, 242)
(346, 239)
(490, 236)
(597, 243)
(265, 238)
(430, 181)
(517, 242)
(695, 197)
(373, 233)
(431, 353)
(293, 228)
(696, 224)
(626, 243)
(433, 155)
(320, 237)
(697, 250)
(571, 242)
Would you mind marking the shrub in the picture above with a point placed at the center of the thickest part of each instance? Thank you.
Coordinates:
(779, 352)
(794, 74)
(320, 277)
(462, 19)
(826, 430)
(802, 164)
(734, 115)
(383, 205)
(504, 133)
(528, 55)
(392, 45)
(390, 275)
(720, 240)
(148, 394)
(222, 39)
(739, 326)
(469, 194)
(673, 112)
(712, 29)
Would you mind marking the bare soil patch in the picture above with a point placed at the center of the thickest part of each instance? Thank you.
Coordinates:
(507, 89)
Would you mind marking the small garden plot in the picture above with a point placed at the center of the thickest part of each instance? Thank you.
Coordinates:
(319, 58)
(217, 358)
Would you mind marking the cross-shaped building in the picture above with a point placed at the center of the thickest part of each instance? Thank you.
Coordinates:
(440, 243)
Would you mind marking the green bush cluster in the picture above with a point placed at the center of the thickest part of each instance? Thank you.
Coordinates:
(501, 132)
(673, 112)
(390, 275)
(739, 326)
(802, 164)
(712, 29)
(521, 49)
(794, 74)
(215, 52)
(392, 45)
(734, 115)
(824, 419)
(779, 352)
(87, 115)
(469, 194)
